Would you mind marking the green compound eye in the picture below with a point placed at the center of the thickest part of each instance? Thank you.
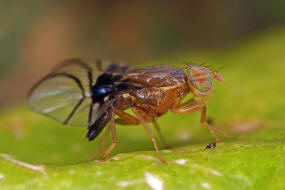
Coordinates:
(200, 78)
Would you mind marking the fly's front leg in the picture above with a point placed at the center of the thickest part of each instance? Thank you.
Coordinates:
(126, 120)
(101, 146)
(192, 107)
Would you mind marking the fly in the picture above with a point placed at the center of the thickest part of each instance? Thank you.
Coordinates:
(86, 92)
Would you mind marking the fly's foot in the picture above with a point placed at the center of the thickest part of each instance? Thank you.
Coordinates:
(101, 160)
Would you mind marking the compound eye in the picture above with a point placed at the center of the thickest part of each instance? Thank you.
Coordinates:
(200, 78)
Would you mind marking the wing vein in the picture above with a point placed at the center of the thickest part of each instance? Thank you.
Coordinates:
(74, 110)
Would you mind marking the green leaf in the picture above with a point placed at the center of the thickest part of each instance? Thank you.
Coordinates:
(38, 153)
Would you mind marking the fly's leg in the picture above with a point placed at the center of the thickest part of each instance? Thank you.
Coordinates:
(156, 126)
(114, 137)
(101, 146)
(143, 122)
(125, 118)
(191, 107)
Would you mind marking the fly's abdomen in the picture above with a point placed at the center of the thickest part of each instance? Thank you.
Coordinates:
(95, 129)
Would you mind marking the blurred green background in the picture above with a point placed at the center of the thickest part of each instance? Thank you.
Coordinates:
(35, 35)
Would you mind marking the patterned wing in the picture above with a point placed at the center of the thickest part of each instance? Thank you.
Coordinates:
(64, 94)
(158, 76)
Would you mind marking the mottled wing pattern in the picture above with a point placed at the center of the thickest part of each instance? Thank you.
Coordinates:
(158, 76)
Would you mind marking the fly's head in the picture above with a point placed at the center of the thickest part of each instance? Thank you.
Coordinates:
(200, 80)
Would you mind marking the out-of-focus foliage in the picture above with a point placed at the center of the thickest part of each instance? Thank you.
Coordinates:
(35, 35)
(250, 105)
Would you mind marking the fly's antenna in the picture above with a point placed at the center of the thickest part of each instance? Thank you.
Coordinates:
(209, 66)
(213, 68)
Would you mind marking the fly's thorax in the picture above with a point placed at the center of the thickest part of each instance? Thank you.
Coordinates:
(124, 101)
(99, 93)
(103, 88)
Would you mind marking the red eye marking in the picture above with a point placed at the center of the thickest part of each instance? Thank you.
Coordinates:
(199, 74)
(200, 78)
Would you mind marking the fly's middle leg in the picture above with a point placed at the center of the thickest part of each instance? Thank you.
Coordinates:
(148, 130)
(127, 119)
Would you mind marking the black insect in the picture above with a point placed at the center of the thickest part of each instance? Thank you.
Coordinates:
(211, 146)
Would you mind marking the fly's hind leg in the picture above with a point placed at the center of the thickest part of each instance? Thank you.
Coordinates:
(147, 128)
(192, 107)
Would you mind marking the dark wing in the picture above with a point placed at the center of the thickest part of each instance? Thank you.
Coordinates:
(64, 94)
(158, 76)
